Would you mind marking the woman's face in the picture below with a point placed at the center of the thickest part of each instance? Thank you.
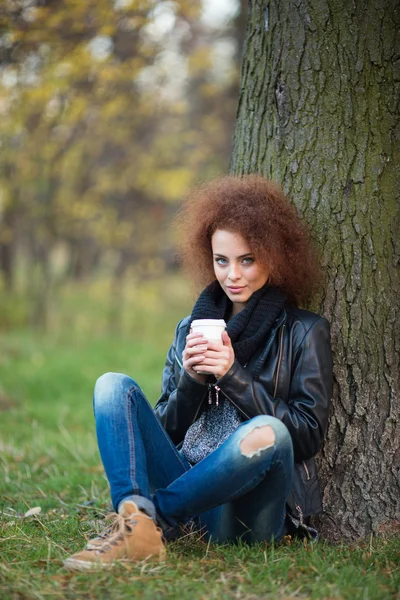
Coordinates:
(236, 268)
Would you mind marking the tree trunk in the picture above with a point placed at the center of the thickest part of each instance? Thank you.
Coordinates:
(318, 112)
(8, 232)
(7, 263)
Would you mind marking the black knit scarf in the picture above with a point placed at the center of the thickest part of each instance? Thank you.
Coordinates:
(250, 327)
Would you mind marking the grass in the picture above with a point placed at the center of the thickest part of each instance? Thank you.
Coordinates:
(49, 459)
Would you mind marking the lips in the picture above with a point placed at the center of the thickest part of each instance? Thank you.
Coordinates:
(235, 290)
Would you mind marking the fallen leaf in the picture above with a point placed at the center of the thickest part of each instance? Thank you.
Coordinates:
(36, 510)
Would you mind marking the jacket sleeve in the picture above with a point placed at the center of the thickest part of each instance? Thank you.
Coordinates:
(305, 413)
(180, 401)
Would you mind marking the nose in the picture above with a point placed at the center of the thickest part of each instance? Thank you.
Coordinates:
(234, 272)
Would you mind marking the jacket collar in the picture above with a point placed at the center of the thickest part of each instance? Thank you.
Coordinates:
(275, 328)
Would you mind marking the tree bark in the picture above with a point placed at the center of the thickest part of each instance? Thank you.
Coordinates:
(8, 232)
(7, 262)
(318, 112)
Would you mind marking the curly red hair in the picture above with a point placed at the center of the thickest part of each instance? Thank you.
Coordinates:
(258, 210)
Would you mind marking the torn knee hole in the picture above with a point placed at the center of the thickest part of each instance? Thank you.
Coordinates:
(259, 439)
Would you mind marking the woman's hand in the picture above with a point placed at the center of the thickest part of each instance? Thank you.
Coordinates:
(194, 355)
(219, 357)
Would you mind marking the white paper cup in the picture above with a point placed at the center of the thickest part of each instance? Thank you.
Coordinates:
(211, 329)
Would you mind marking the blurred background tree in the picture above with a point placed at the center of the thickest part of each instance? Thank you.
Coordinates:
(109, 111)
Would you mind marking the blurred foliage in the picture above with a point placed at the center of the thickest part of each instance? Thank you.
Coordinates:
(92, 308)
(109, 111)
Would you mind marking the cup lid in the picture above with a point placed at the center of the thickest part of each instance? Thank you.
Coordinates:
(208, 323)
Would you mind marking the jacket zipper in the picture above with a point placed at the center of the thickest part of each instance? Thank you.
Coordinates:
(217, 391)
(211, 385)
(301, 517)
(235, 405)
(279, 359)
(306, 470)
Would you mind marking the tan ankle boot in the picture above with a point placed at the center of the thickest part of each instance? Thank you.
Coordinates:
(133, 536)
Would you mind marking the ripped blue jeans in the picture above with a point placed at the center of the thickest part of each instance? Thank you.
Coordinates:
(233, 494)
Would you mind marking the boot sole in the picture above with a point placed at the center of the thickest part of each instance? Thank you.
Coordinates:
(84, 565)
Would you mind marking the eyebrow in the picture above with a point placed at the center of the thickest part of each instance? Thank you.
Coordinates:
(242, 256)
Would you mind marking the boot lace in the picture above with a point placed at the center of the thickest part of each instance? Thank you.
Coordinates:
(114, 533)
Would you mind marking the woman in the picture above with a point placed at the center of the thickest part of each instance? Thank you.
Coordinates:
(232, 448)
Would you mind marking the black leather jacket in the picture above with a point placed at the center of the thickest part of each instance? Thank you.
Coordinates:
(294, 385)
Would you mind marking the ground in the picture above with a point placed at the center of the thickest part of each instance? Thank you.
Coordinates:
(49, 459)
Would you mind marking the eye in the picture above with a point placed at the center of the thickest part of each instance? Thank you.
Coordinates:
(221, 261)
(248, 260)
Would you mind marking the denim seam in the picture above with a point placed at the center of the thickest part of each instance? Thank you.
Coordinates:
(137, 389)
(132, 471)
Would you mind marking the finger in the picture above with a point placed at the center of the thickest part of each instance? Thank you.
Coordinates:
(216, 346)
(202, 370)
(216, 355)
(194, 360)
(195, 349)
(196, 342)
(226, 340)
(212, 362)
(220, 351)
(194, 335)
(211, 370)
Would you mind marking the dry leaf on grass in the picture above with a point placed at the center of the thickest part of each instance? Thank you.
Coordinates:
(36, 510)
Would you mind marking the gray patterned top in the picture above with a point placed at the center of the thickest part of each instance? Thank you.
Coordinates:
(212, 428)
